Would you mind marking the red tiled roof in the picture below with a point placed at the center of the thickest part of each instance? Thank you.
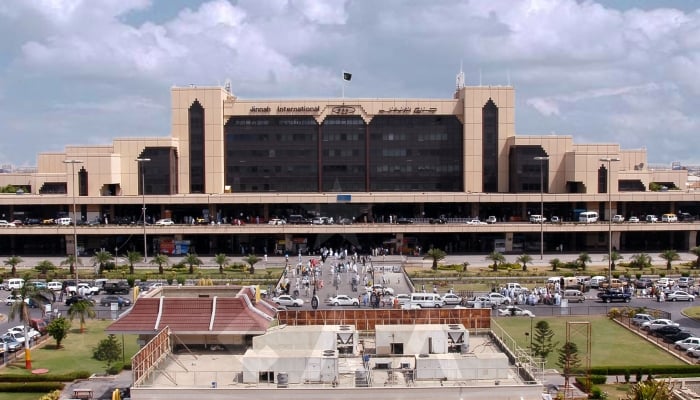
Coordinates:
(192, 315)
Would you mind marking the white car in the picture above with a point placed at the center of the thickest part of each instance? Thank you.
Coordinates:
(5, 224)
(403, 298)
(56, 286)
(164, 222)
(618, 219)
(288, 301)
(657, 323)
(19, 329)
(343, 300)
(452, 299)
(476, 222)
(497, 299)
(633, 220)
(276, 221)
(680, 295)
(687, 344)
(693, 352)
(11, 299)
(515, 312)
(380, 289)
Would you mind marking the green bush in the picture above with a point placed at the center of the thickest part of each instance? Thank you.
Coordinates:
(596, 393)
(43, 387)
(45, 377)
(598, 379)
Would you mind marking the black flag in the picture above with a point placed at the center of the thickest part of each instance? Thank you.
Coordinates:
(347, 76)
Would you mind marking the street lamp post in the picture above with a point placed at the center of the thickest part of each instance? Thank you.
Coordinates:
(609, 160)
(140, 162)
(541, 160)
(75, 216)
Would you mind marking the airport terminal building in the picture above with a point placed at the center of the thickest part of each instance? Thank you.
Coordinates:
(402, 174)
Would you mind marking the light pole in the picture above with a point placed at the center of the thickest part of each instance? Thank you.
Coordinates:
(140, 162)
(609, 160)
(75, 216)
(541, 160)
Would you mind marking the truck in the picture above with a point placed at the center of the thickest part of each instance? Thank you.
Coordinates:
(609, 296)
(84, 289)
(115, 287)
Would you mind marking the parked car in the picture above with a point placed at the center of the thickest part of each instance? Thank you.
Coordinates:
(665, 330)
(651, 218)
(74, 299)
(451, 299)
(685, 281)
(19, 329)
(288, 301)
(657, 323)
(164, 222)
(618, 219)
(643, 283)
(380, 289)
(11, 343)
(687, 343)
(693, 352)
(674, 337)
(276, 221)
(121, 301)
(680, 295)
(491, 219)
(403, 298)
(633, 220)
(480, 302)
(669, 218)
(640, 319)
(56, 286)
(11, 299)
(497, 299)
(514, 311)
(343, 300)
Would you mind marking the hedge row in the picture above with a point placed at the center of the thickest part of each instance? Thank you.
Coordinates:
(39, 387)
(646, 370)
(9, 378)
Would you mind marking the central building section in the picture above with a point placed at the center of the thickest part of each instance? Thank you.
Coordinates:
(351, 145)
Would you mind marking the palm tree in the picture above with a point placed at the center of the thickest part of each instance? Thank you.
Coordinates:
(555, 263)
(251, 260)
(133, 257)
(160, 259)
(82, 309)
(13, 262)
(20, 309)
(71, 260)
(614, 256)
(669, 256)
(497, 258)
(221, 260)
(436, 255)
(582, 259)
(44, 266)
(191, 260)
(641, 260)
(102, 257)
(696, 252)
(524, 259)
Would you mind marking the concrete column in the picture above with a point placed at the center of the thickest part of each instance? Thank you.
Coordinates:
(509, 241)
(692, 239)
(616, 240)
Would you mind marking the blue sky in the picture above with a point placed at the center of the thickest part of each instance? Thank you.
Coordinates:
(78, 72)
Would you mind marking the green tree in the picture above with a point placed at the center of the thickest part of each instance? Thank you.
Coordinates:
(436, 255)
(696, 252)
(13, 262)
(107, 350)
(132, 257)
(542, 344)
(497, 258)
(222, 261)
(669, 256)
(160, 260)
(555, 263)
(82, 309)
(44, 266)
(251, 260)
(650, 390)
(614, 257)
(568, 360)
(641, 260)
(58, 329)
(191, 259)
(524, 259)
(20, 310)
(583, 259)
(102, 257)
(72, 261)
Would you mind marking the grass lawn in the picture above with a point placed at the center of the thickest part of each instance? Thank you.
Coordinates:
(693, 312)
(76, 353)
(611, 344)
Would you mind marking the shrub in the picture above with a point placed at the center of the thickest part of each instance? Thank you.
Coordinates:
(43, 387)
(181, 279)
(627, 376)
(130, 280)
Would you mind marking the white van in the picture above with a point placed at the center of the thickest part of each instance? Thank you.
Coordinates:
(15, 284)
(56, 286)
(64, 221)
(425, 300)
(573, 296)
(588, 217)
